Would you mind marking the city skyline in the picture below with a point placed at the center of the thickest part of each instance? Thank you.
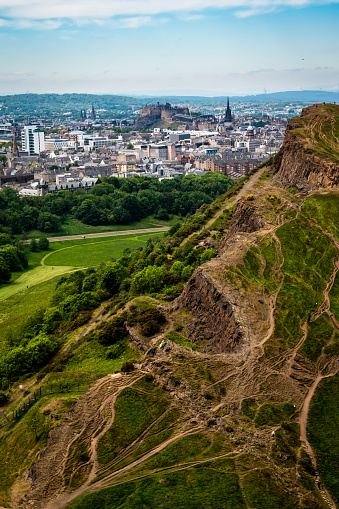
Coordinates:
(218, 47)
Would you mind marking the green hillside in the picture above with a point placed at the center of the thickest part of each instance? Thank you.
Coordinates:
(197, 369)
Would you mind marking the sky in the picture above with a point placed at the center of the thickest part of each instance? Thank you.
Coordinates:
(173, 47)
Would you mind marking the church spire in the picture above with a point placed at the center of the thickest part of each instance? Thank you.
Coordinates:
(228, 114)
(93, 116)
(15, 150)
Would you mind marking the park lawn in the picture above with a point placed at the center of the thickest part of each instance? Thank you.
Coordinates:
(68, 255)
(75, 227)
(91, 252)
(32, 278)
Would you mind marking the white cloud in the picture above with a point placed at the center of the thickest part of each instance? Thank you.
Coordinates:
(134, 13)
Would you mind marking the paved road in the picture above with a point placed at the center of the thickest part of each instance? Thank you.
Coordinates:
(109, 234)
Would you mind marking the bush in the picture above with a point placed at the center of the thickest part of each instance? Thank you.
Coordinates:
(112, 331)
(75, 303)
(28, 359)
(187, 272)
(52, 319)
(128, 366)
(150, 328)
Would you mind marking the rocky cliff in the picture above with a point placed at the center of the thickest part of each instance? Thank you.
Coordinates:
(216, 326)
(150, 114)
(309, 157)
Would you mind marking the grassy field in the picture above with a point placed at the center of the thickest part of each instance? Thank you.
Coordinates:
(75, 227)
(68, 255)
(90, 252)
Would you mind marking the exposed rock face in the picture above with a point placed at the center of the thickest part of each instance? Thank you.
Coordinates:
(301, 162)
(244, 219)
(150, 114)
(216, 326)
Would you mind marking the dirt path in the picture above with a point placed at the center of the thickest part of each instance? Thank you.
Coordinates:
(273, 299)
(107, 481)
(64, 499)
(240, 195)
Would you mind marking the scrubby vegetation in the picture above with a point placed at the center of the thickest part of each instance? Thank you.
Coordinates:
(323, 433)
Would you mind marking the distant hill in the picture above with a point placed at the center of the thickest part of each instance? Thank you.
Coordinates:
(120, 105)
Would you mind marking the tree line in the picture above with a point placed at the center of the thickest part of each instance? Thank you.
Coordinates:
(112, 201)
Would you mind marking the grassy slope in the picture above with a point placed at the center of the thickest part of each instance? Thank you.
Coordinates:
(323, 432)
(198, 486)
(68, 255)
(15, 309)
(319, 131)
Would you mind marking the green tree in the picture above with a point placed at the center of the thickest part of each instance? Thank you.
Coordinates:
(5, 239)
(33, 246)
(112, 276)
(43, 244)
(187, 272)
(5, 273)
(48, 222)
(130, 146)
(207, 255)
(149, 280)
(177, 268)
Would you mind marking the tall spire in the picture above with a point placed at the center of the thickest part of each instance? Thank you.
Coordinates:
(15, 150)
(93, 116)
(228, 114)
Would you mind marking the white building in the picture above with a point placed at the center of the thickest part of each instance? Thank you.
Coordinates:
(33, 140)
(58, 143)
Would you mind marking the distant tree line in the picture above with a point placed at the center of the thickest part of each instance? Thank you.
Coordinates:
(113, 201)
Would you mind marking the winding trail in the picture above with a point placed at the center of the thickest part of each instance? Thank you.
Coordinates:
(273, 298)
(240, 195)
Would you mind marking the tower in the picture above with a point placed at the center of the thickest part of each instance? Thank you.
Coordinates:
(32, 139)
(228, 114)
(93, 116)
(15, 150)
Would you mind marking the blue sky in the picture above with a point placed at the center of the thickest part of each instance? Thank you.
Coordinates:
(210, 47)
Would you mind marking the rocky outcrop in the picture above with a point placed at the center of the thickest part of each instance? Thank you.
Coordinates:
(215, 327)
(150, 114)
(245, 219)
(309, 158)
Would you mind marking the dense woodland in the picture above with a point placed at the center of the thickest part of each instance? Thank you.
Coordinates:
(114, 201)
